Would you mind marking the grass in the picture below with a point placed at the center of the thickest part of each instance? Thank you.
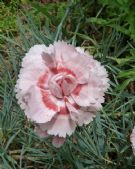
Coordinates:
(104, 143)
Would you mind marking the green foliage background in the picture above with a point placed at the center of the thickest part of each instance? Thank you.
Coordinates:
(8, 15)
(104, 28)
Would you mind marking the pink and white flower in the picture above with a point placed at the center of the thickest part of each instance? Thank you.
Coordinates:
(60, 87)
(132, 139)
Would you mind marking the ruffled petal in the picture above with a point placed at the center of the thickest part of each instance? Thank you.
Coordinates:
(38, 109)
(88, 95)
(62, 126)
(97, 71)
(80, 116)
(62, 48)
(47, 125)
(80, 95)
(32, 68)
(68, 57)
(33, 57)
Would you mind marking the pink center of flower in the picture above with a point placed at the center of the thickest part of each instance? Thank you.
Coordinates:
(62, 84)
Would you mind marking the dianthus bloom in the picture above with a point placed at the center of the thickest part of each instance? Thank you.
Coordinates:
(132, 139)
(60, 87)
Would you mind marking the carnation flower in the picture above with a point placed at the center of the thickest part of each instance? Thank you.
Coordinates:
(132, 139)
(60, 87)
